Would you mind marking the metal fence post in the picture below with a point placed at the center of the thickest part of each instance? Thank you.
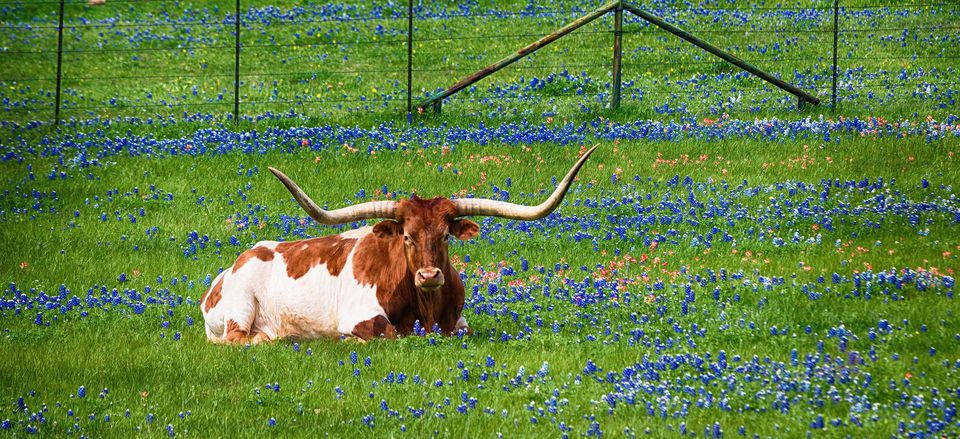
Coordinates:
(617, 54)
(410, 61)
(836, 19)
(56, 106)
(236, 69)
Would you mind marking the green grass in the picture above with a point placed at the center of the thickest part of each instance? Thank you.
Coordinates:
(126, 354)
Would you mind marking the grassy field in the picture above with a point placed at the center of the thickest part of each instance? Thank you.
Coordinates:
(734, 268)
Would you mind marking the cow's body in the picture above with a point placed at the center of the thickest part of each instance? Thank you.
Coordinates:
(355, 283)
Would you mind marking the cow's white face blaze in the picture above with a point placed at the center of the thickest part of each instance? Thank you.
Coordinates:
(425, 227)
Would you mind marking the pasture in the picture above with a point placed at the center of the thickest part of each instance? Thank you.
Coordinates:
(726, 265)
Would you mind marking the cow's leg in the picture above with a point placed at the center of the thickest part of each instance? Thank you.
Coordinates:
(377, 326)
(232, 319)
(462, 325)
(234, 334)
(237, 325)
(363, 318)
(260, 337)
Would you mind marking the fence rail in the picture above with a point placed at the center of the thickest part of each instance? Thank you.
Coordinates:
(65, 59)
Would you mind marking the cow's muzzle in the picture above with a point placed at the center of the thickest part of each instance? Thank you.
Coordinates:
(429, 278)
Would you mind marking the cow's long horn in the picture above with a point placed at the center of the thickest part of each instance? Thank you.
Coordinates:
(372, 209)
(483, 207)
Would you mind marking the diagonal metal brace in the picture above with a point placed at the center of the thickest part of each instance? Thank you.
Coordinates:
(801, 95)
(436, 100)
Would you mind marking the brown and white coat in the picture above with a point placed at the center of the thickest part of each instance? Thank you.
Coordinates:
(375, 281)
(355, 283)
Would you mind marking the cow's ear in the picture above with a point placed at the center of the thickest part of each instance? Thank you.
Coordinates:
(464, 229)
(387, 228)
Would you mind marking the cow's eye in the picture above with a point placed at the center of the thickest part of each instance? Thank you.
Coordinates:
(406, 239)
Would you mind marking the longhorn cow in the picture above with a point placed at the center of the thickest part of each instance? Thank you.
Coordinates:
(375, 281)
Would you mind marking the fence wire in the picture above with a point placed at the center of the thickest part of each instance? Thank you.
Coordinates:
(125, 58)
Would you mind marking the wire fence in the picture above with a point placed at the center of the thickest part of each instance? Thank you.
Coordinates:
(62, 60)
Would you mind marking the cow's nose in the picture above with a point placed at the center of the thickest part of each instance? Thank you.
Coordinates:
(429, 277)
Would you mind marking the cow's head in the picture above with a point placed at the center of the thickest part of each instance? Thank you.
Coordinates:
(425, 226)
